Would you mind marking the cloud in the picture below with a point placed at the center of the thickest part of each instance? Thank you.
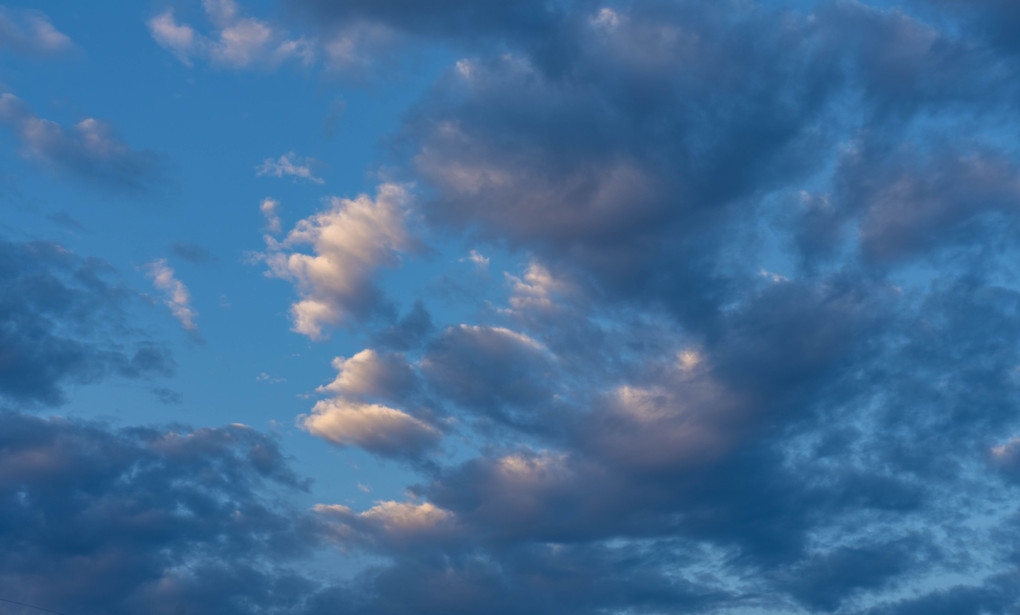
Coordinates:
(391, 525)
(477, 258)
(409, 332)
(908, 204)
(193, 253)
(649, 420)
(270, 209)
(349, 241)
(31, 33)
(89, 150)
(351, 416)
(290, 165)
(371, 374)
(178, 299)
(63, 323)
(490, 371)
(376, 428)
(236, 42)
(101, 520)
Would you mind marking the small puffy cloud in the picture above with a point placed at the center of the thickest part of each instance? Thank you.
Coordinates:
(237, 41)
(289, 165)
(271, 212)
(536, 289)
(349, 241)
(371, 374)
(391, 525)
(376, 428)
(178, 299)
(474, 256)
(350, 418)
(89, 150)
(31, 33)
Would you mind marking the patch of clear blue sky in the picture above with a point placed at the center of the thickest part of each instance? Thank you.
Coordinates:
(210, 127)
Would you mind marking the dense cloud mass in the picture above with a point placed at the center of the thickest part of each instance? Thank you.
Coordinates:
(59, 315)
(754, 345)
(154, 520)
(655, 399)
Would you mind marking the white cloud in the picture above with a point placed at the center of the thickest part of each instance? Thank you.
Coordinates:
(349, 241)
(391, 524)
(537, 289)
(289, 165)
(237, 41)
(369, 373)
(179, 39)
(178, 299)
(476, 257)
(270, 209)
(376, 428)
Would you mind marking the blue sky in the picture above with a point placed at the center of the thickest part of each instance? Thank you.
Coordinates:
(384, 306)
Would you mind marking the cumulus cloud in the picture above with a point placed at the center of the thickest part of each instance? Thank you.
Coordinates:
(178, 299)
(31, 33)
(351, 416)
(349, 241)
(60, 321)
(371, 374)
(391, 525)
(490, 371)
(90, 150)
(376, 428)
(657, 392)
(655, 421)
(236, 41)
(289, 165)
(100, 520)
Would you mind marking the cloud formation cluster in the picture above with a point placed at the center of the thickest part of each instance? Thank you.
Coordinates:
(648, 405)
(758, 352)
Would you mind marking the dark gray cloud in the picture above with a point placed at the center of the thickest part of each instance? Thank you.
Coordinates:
(818, 439)
(906, 202)
(193, 253)
(89, 151)
(490, 371)
(59, 317)
(150, 519)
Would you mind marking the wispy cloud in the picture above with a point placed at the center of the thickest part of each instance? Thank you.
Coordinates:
(237, 41)
(289, 165)
(31, 33)
(89, 150)
(176, 294)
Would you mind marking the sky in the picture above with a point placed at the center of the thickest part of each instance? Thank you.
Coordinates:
(385, 307)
